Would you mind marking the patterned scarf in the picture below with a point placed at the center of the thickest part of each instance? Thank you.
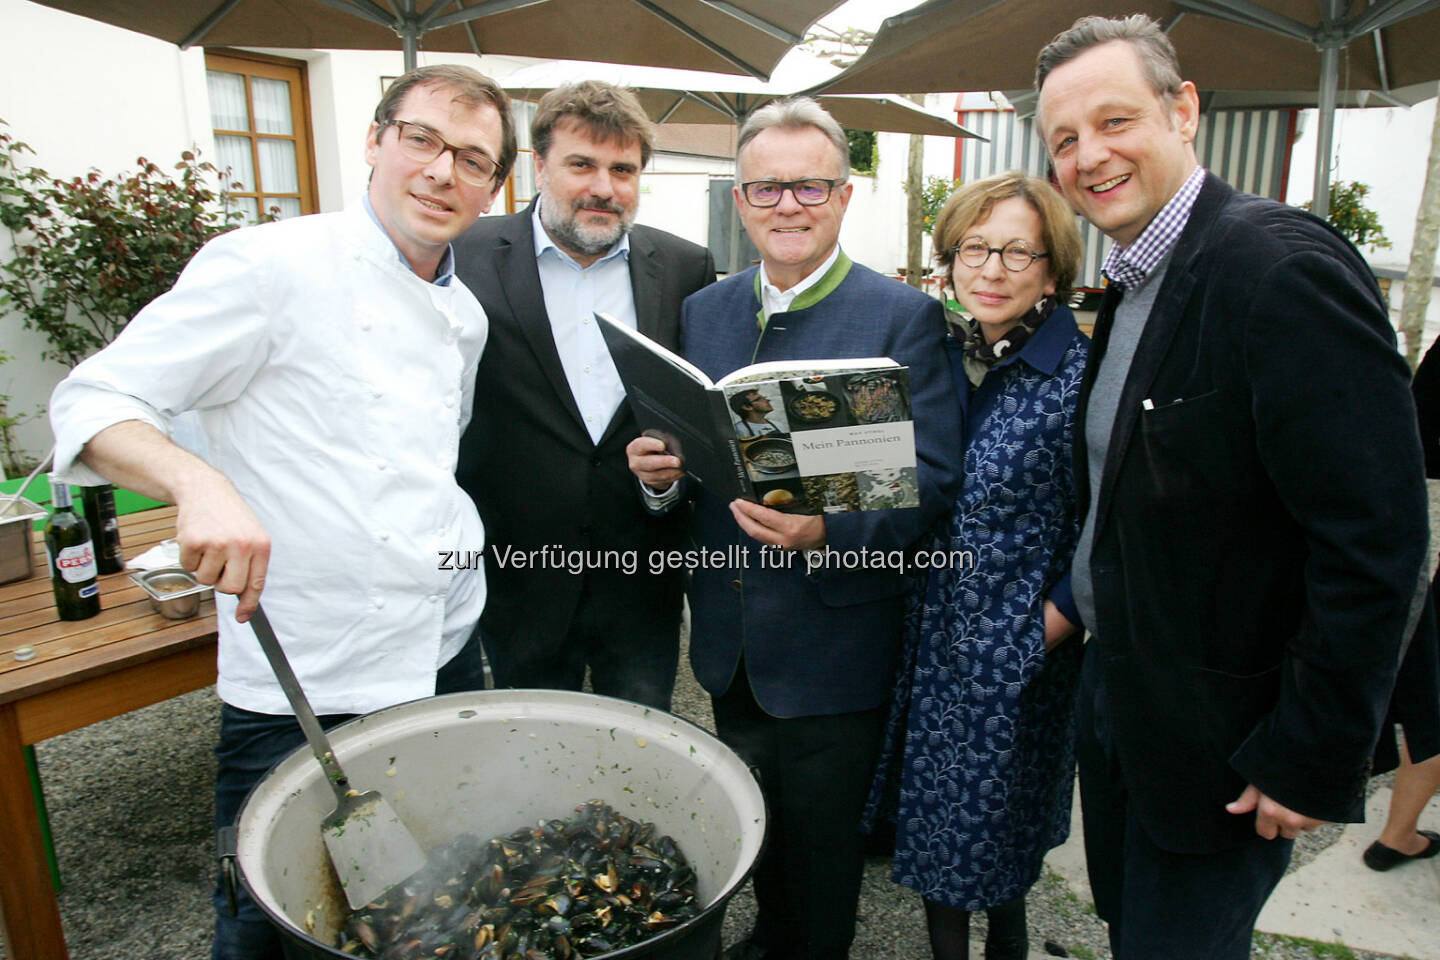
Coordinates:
(980, 355)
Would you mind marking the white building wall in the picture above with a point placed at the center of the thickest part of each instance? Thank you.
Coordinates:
(85, 95)
(1386, 148)
(678, 202)
(1394, 168)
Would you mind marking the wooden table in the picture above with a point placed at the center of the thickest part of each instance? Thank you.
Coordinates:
(84, 671)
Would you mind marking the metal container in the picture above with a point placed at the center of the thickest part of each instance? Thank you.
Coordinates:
(17, 520)
(489, 762)
(174, 593)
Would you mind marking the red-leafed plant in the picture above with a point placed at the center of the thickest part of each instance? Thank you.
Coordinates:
(89, 251)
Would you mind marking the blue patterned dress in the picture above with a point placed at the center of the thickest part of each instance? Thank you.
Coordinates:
(978, 763)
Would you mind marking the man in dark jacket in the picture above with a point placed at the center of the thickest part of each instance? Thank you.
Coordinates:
(569, 547)
(1251, 562)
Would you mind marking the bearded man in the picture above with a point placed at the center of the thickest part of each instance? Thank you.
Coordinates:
(544, 456)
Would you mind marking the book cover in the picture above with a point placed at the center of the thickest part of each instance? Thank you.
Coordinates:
(813, 437)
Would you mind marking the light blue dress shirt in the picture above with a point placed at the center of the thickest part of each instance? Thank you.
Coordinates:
(573, 295)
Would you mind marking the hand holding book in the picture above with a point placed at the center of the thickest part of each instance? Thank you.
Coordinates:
(653, 464)
(784, 530)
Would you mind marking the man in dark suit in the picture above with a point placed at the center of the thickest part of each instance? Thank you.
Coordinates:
(1251, 562)
(796, 648)
(568, 557)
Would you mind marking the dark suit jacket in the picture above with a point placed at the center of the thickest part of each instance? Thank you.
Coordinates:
(1260, 533)
(526, 458)
(825, 642)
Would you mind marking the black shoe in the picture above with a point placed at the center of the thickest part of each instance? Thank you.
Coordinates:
(1053, 949)
(1380, 857)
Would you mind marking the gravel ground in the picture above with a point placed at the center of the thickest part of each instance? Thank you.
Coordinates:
(130, 805)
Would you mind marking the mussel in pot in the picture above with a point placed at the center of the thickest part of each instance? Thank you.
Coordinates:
(564, 889)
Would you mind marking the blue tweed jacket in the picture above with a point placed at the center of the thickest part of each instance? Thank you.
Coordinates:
(822, 642)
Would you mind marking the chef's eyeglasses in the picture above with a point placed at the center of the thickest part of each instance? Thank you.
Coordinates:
(810, 192)
(1016, 256)
(420, 143)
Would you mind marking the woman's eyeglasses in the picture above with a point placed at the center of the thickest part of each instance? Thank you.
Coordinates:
(1016, 256)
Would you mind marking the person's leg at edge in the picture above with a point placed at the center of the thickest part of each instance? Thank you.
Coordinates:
(1415, 784)
(465, 671)
(1158, 903)
(815, 772)
(828, 763)
(511, 668)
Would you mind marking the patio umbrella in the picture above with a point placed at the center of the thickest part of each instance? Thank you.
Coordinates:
(727, 36)
(1237, 52)
(687, 96)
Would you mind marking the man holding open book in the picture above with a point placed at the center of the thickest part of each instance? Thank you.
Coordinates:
(798, 656)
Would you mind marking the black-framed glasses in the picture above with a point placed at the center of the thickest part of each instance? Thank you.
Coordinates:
(810, 192)
(1016, 256)
(421, 143)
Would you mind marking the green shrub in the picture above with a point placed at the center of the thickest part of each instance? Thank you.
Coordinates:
(90, 251)
(1349, 214)
(933, 196)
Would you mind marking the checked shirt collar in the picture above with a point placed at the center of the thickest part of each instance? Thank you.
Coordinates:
(1131, 265)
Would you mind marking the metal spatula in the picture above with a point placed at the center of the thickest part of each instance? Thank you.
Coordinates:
(371, 848)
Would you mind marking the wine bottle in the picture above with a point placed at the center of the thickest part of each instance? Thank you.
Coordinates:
(104, 527)
(72, 557)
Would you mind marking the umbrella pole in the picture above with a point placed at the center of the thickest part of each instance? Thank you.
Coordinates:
(410, 46)
(1325, 135)
(741, 115)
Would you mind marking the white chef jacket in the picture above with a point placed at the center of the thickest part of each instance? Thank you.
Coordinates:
(332, 385)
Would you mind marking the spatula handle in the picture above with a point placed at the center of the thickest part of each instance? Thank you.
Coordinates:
(319, 743)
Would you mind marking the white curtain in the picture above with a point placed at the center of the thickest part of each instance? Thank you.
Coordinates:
(289, 206)
(523, 111)
(245, 205)
(272, 105)
(233, 153)
(277, 166)
(524, 176)
(227, 101)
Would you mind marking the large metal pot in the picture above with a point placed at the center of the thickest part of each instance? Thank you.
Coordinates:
(489, 762)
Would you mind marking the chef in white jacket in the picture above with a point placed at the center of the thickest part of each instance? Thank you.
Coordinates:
(331, 360)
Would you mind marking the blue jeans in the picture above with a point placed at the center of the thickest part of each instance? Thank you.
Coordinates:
(250, 744)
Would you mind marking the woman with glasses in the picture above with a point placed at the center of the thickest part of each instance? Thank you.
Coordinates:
(979, 757)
